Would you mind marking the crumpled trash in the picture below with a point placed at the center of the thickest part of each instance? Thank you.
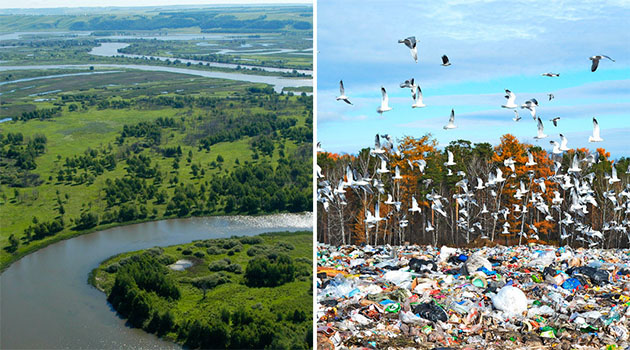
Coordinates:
(431, 312)
(477, 261)
(424, 297)
(510, 300)
(421, 265)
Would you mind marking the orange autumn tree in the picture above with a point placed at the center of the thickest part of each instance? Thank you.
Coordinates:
(542, 170)
(510, 147)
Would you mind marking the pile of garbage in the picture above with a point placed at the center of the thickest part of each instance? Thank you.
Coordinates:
(423, 297)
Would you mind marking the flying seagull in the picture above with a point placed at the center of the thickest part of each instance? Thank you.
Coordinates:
(417, 98)
(531, 105)
(541, 128)
(342, 94)
(555, 121)
(450, 160)
(550, 74)
(384, 102)
(596, 59)
(409, 83)
(451, 121)
(595, 137)
(551, 96)
(410, 42)
(445, 61)
(563, 143)
(516, 116)
(510, 99)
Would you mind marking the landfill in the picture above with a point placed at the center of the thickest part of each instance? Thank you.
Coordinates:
(424, 297)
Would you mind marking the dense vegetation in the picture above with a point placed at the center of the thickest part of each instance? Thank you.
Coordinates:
(461, 205)
(213, 304)
(128, 154)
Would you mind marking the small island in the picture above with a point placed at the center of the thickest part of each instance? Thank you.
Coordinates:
(219, 293)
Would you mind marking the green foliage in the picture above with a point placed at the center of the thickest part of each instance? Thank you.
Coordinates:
(270, 270)
(216, 309)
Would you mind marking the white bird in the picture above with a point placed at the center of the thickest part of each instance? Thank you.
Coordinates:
(484, 210)
(319, 171)
(429, 227)
(563, 143)
(613, 179)
(342, 94)
(531, 106)
(499, 177)
(595, 137)
(556, 199)
(414, 206)
(409, 83)
(555, 121)
(541, 129)
(397, 175)
(480, 185)
(411, 43)
(510, 99)
(530, 159)
(509, 162)
(556, 147)
(550, 74)
(390, 200)
(384, 102)
(575, 165)
(516, 116)
(450, 160)
(383, 169)
(377, 146)
(451, 121)
(417, 98)
(596, 59)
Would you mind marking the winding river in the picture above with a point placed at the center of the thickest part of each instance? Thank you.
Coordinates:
(47, 303)
(111, 49)
(278, 82)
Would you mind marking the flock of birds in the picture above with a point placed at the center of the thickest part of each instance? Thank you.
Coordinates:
(531, 104)
(569, 208)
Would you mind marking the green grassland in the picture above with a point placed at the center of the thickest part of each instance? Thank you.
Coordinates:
(92, 128)
(275, 305)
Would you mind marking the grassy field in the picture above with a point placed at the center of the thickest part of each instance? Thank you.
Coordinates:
(280, 302)
(89, 127)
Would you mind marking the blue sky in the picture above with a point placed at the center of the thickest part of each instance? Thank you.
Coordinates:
(493, 45)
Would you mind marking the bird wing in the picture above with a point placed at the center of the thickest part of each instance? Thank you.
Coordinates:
(451, 120)
(564, 142)
(595, 128)
(419, 94)
(541, 128)
(510, 97)
(450, 156)
(384, 98)
(444, 59)
(594, 65)
(341, 89)
(377, 142)
(608, 57)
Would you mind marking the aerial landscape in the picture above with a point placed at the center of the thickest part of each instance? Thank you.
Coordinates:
(148, 128)
(482, 199)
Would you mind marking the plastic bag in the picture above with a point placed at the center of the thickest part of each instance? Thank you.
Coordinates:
(510, 300)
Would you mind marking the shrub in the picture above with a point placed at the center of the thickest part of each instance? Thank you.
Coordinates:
(270, 270)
